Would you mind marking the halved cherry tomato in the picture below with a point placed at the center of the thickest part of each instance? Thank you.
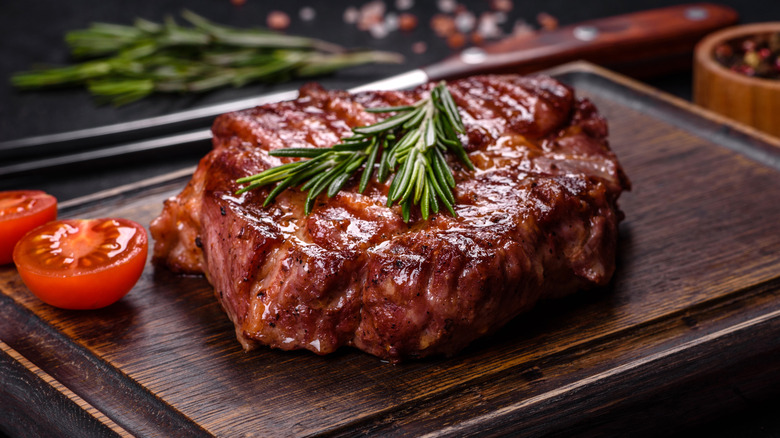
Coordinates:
(20, 212)
(82, 263)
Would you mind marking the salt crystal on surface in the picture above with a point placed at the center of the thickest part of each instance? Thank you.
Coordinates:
(378, 30)
(488, 27)
(307, 13)
(375, 7)
(447, 6)
(351, 15)
(371, 14)
(465, 22)
(522, 27)
(403, 5)
(419, 47)
(501, 5)
(392, 22)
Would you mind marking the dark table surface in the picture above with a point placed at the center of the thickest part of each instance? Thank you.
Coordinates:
(32, 33)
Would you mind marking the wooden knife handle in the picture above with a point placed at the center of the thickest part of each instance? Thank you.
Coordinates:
(640, 44)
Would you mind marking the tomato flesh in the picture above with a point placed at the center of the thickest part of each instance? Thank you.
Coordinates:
(82, 263)
(20, 212)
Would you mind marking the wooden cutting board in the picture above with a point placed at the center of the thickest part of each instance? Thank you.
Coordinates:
(691, 319)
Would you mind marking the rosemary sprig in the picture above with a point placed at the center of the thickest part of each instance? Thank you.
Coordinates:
(413, 141)
(132, 62)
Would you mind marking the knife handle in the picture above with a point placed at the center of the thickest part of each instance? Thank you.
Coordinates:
(640, 44)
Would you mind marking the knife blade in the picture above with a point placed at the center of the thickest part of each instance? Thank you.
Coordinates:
(644, 42)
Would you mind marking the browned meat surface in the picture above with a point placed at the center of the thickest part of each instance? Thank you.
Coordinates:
(537, 219)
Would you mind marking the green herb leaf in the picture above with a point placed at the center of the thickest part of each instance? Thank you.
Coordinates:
(410, 141)
(132, 62)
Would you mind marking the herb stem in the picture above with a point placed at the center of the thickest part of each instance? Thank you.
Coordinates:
(411, 141)
(132, 62)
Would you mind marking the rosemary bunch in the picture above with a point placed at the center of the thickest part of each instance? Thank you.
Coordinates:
(131, 62)
(413, 141)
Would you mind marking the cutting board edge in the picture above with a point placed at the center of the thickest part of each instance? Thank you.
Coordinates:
(700, 341)
(67, 361)
(734, 127)
(580, 67)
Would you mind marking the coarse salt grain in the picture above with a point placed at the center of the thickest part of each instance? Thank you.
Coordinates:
(522, 27)
(419, 47)
(488, 27)
(501, 5)
(447, 6)
(351, 15)
(465, 22)
(392, 22)
(403, 5)
(371, 14)
(375, 7)
(378, 30)
(307, 13)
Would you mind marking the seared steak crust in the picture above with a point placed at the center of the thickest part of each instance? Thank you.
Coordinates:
(538, 218)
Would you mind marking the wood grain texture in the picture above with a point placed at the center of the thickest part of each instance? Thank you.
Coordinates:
(18, 373)
(695, 297)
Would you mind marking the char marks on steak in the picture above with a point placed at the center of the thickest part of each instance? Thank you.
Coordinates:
(537, 219)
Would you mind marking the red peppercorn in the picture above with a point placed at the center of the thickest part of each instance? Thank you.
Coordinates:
(278, 20)
(407, 22)
(456, 40)
(443, 25)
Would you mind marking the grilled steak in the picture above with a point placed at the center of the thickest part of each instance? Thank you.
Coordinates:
(537, 219)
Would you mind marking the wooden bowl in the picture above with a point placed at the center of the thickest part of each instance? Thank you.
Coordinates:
(753, 101)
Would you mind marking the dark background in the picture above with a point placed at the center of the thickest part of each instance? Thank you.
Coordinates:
(31, 33)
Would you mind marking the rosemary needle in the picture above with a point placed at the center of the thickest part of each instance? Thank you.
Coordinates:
(128, 63)
(411, 144)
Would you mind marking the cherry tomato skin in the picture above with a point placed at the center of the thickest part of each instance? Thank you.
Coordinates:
(82, 263)
(20, 212)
